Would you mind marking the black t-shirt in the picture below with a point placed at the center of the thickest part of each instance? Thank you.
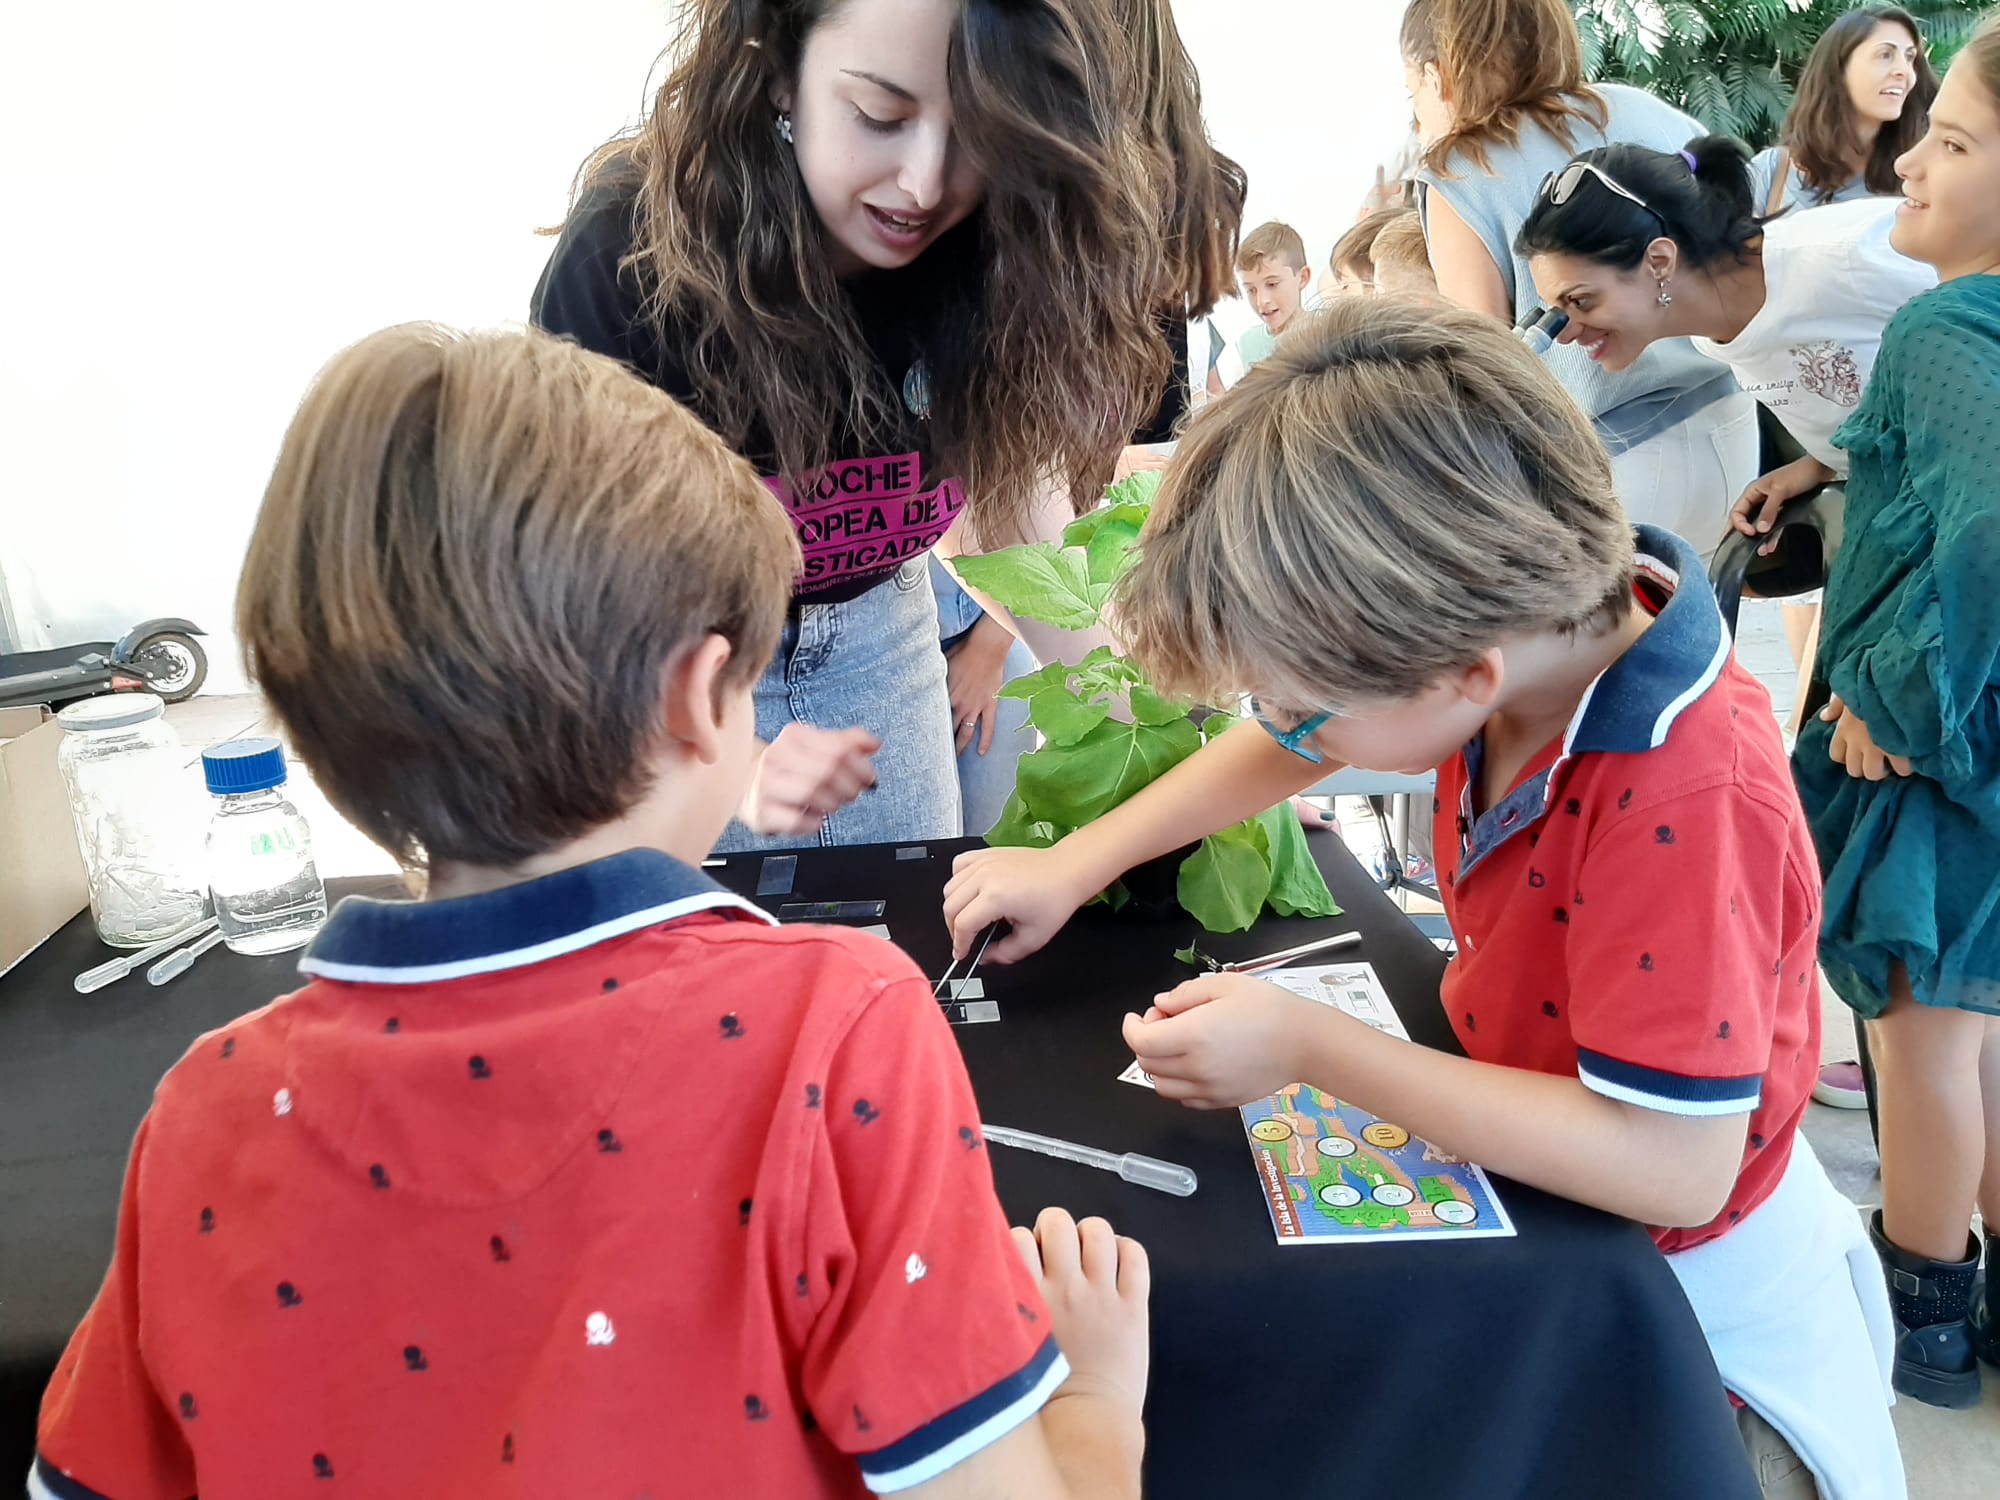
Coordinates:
(872, 507)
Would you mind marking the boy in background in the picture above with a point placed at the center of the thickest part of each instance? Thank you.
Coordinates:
(580, 1176)
(1351, 270)
(1403, 257)
(1271, 266)
(1401, 535)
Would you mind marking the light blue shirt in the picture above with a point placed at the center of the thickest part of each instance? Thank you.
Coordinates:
(1798, 192)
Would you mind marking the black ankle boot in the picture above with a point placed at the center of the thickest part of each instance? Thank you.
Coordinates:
(1935, 1362)
(1985, 1306)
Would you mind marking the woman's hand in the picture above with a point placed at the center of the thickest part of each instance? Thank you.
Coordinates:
(806, 774)
(1756, 510)
(1854, 748)
(974, 671)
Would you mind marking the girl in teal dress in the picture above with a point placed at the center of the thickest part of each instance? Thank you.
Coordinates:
(1901, 774)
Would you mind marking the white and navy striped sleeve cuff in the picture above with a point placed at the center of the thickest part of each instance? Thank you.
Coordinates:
(964, 1430)
(47, 1482)
(1670, 1093)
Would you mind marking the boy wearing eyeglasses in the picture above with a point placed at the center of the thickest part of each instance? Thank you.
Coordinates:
(1400, 534)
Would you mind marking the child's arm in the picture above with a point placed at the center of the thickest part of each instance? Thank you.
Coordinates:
(1235, 776)
(1224, 1040)
(1088, 1441)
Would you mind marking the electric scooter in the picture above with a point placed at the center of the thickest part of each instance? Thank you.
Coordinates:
(159, 656)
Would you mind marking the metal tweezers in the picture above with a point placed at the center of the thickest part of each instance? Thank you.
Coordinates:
(986, 938)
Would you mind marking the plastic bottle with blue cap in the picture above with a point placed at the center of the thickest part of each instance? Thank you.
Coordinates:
(267, 890)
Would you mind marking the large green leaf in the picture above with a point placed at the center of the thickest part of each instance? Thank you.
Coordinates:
(1297, 887)
(1086, 526)
(1062, 717)
(1149, 707)
(1040, 581)
(1136, 489)
(1074, 784)
(1223, 883)
(1018, 827)
(1112, 550)
(1055, 674)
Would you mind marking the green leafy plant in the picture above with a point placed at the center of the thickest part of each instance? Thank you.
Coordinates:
(1732, 63)
(1108, 733)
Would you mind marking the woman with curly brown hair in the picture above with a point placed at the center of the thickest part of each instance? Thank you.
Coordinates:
(905, 255)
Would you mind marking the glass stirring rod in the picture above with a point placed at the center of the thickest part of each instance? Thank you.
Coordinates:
(1143, 1171)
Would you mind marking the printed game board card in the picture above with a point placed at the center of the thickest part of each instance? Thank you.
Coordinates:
(1334, 1174)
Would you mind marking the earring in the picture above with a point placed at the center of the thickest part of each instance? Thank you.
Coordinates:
(1666, 297)
(785, 126)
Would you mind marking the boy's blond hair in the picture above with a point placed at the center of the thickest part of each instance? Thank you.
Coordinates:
(1401, 246)
(1272, 241)
(1401, 486)
(475, 560)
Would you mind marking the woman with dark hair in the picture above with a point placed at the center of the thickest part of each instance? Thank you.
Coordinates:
(1501, 102)
(1862, 101)
(1638, 246)
(905, 255)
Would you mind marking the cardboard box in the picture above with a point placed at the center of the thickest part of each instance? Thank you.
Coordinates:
(42, 883)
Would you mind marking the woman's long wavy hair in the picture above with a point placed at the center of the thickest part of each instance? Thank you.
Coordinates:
(1821, 130)
(1036, 318)
(1505, 64)
(1203, 189)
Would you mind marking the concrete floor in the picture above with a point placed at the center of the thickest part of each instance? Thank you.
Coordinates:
(1948, 1455)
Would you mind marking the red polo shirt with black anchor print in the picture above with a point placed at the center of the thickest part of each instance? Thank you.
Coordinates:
(601, 1184)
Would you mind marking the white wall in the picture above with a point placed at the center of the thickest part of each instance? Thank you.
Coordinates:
(206, 200)
(1308, 95)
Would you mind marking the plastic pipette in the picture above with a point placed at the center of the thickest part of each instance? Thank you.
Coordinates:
(1141, 1171)
(118, 968)
(176, 964)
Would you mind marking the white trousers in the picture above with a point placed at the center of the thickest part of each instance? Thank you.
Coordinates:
(1686, 478)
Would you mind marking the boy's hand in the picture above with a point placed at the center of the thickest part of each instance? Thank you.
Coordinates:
(1852, 746)
(805, 774)
(1096, 1284)
(1034, 890)
(1756, 510)
(974, 672)
(1222, 1040)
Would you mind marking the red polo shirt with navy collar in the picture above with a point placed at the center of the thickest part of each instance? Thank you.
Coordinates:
(1641, 909)
(601, 1184)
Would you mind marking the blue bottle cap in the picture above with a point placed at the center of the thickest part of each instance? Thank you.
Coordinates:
(244, 766)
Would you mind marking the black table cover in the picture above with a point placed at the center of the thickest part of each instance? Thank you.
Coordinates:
(1563, 1362)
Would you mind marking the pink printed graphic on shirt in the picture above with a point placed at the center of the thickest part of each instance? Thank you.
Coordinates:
(863, 517)
(1830, 371)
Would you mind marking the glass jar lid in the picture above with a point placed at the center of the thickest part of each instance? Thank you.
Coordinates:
(111, 711)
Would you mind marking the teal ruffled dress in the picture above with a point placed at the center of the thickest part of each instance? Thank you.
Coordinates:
(1910, 640)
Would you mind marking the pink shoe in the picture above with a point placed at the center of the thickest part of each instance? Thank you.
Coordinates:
(1315, 819)
(1840, 1086)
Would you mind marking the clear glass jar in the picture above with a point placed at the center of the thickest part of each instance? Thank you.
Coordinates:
(268, 895)
(136, 822)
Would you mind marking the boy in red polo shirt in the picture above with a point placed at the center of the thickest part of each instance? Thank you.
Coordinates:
(1399, 533)
(580, 1177)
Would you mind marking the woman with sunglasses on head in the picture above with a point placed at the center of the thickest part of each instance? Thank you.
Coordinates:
(1501, 104)
(1861, 102)
(905, 256)
(1638, 246)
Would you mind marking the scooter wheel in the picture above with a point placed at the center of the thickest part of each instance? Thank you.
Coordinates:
(175, 664)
